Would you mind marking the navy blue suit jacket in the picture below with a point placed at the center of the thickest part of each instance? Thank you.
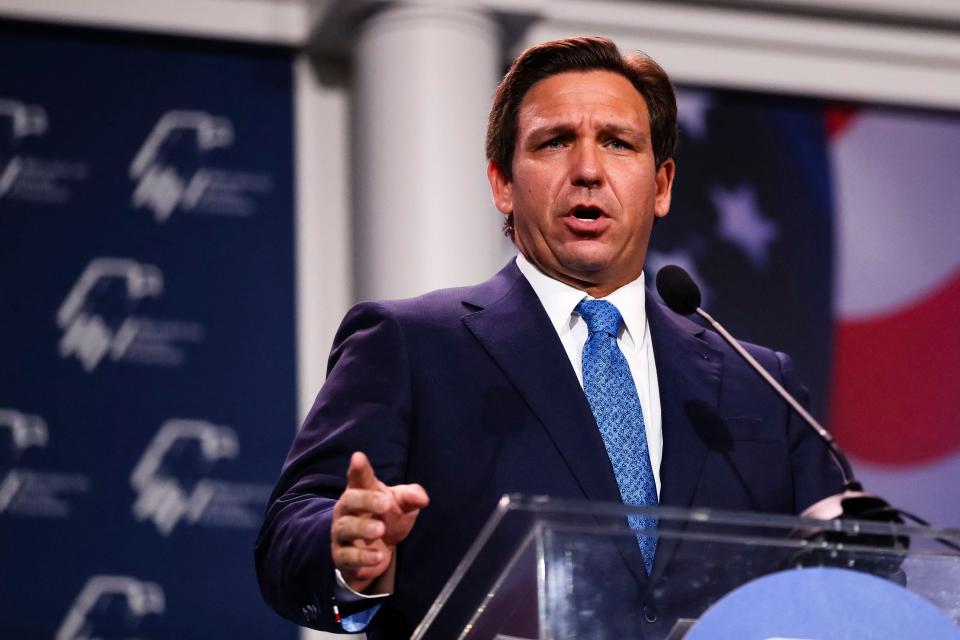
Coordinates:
(469, 392)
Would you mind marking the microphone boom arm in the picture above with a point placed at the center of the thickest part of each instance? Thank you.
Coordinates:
(849, 481)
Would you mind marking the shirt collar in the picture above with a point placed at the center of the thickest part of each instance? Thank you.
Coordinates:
(559, 301)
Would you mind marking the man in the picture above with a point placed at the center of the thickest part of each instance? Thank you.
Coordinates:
(461, 396)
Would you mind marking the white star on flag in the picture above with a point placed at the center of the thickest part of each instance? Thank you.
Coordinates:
(742, 224)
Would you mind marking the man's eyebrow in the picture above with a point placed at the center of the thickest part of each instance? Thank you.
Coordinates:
(624, 131)
(550, 130)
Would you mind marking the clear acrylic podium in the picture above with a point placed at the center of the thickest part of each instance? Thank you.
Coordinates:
(544, 569)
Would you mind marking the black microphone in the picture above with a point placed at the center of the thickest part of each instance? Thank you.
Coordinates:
(682, 296)
(678, 290)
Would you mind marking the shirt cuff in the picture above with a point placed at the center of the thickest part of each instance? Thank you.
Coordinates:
(344, 593)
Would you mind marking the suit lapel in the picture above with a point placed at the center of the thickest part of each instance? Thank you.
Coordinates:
(516, 332)
(513, 327)
(688, 377)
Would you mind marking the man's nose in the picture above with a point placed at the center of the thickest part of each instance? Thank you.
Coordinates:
(586, 170)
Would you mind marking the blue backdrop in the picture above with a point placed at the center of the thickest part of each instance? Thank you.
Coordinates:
(147, 372)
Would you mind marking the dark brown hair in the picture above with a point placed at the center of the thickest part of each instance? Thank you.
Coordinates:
(583, 53)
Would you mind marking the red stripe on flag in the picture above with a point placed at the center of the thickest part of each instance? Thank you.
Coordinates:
(896, 391)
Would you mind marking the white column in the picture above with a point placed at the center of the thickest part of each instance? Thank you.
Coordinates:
(324, 269)
(424, 76)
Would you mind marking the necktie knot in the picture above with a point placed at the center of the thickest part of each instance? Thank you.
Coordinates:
(600, 316)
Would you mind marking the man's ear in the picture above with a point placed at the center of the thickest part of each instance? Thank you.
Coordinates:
(501, 187)
(664, 180)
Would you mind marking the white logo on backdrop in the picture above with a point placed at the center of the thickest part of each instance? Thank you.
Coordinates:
(169, 178)
(30, 177)
(97, 317)
(25, 491)
(131, 599)
(25, 430)
(173, 484)
(25, 119)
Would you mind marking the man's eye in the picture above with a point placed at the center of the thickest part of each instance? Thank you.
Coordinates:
(619, 144)
(553, 143)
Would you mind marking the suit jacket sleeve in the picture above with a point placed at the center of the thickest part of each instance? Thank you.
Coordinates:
(815, 474)
(365, 404)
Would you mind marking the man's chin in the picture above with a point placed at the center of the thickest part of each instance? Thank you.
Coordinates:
(586, 265)
(598, 270)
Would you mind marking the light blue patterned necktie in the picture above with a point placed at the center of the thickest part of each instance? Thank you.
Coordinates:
(612, 395)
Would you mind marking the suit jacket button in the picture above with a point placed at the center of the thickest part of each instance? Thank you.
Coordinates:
(649, 613)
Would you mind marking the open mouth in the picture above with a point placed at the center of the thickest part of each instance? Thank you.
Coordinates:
(586, 213)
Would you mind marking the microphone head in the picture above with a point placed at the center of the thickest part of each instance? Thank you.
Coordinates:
(678, 290)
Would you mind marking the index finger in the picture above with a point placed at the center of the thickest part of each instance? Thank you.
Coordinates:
(360, 475)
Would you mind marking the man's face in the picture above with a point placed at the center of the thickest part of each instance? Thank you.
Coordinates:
(585, 189)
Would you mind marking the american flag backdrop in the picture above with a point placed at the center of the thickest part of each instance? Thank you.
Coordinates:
(832, 232)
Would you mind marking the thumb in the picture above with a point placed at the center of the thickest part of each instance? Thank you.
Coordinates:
(360, 475)
(410, 497)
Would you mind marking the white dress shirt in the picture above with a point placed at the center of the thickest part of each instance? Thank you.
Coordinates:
(559, 300)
